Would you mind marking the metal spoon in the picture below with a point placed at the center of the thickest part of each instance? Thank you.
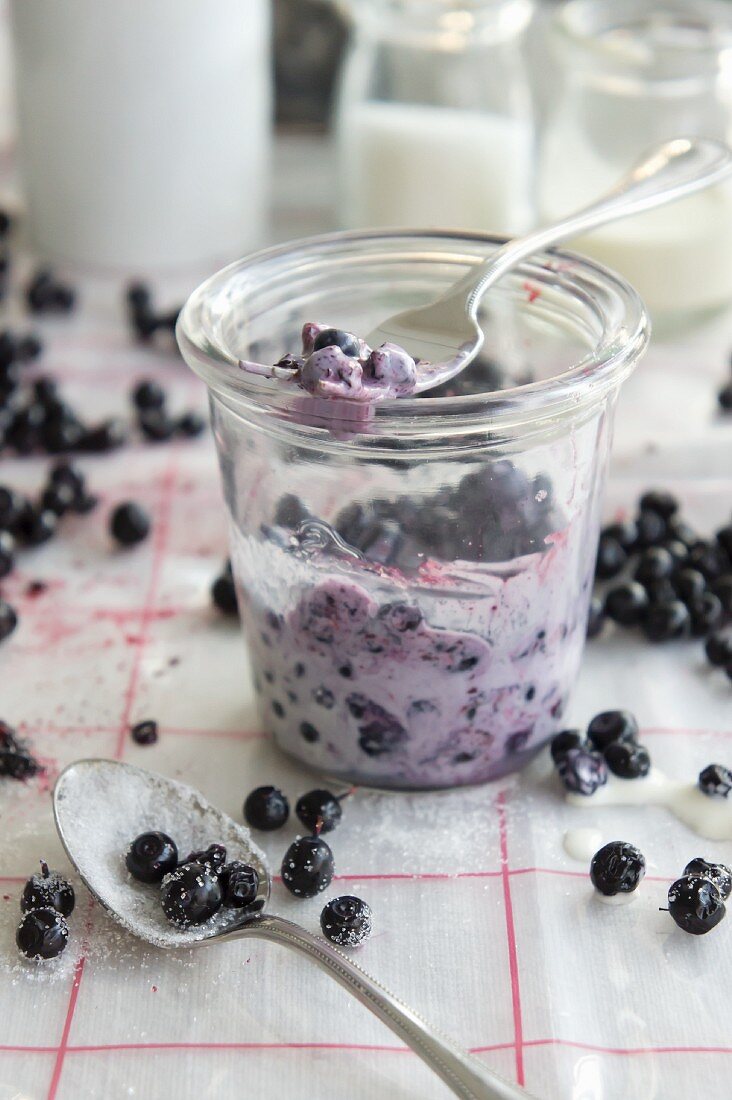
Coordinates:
(446, 332)
(100, 805)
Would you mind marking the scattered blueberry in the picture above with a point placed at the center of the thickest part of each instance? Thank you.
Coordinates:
(627, 759)
(717, 873)
(654, 564)
(145, 733)
(16, 759)
(223, 594)
(240, 884)
(595, 617)
(724, 397)
(652, 528)
(266, 808)
(212, 858)
(582, 771)
(129, 524)
(705, 613)
(45, 294)
(718, 649)
(612, 725)
(618, 868)
(319, 810)
(346, 921)
(611, 558)
(155, 425)
(627, 603)
(722, 589)
(664, 621)
(7, 553)
(190, 424)
(689, 584)
(695, 904)
(656, 500)
(151, 856)
(49, 890)
(715, 780)
(307, 867)
(42, 934)
(148, 394)
(8, 619)
(562, 742)
(190, 895)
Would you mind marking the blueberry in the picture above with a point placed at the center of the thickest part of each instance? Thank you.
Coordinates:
(57, 498)
(335, 337)
(562, 742)
(627, 603)
(8, 619)
(677, 549)
(382, 541)
(156, 425)
(223, 594)
(145, 733)
(681, 531)
(595, 617)
(582, 771)
(16, 760)
(708, 558)
(665, 621)
(724, 397)
(151, 856)
(611, 558)
(627, 759)
(319, 811)
(654, 564)
(129, 524)
(212, 858)
(346, 921)
(266, 808)
(324, 697)
(706, 613)
(12, 506)
(28, 347)
(49, 890)
(660, 590)
(612, 725)
(42, 934)
(724, 538)
(307, 867)
(190, 895)
(652, 529)
(148, 395)
(38, 526)
(191, 424)
(379, 731)
(718, 649)
(332, 368)
(689, 584)
(722, 589)
(64, 473)
(108, 436)
(695, 904)
(656, 500)
(717, 873)
(309, 733)
(7, 554)
(618, 868)
(240, 884)
(290, 511)
(716, 781)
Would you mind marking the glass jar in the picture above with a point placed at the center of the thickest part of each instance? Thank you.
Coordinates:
(633, 75)
(414, 582)
(435, 118)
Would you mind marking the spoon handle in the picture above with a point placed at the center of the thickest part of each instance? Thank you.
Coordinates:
(670, 171)
(464, 1075)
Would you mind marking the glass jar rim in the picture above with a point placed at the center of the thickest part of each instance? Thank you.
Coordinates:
(576, 23)
(624, 336)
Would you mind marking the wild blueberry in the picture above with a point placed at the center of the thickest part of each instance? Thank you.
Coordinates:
(190, 895)
(108, 436)
(717, 873)
(147, 394)
(654, 564)
(689, 584)
(562, 742)
(151, 856)
(190, 424)
(611, 558)
(682, 531)
(319, 810)
(595, 617)
(652, 529)
(627, 759)
(656, 500)
(307, 867)
(705, 613)
(612, 725)
(38, 526)
(708, 558)
(266, 808)
(212, 858)
(240, 884)
(223, 594)
(724, 397)
(7, 554)
(677, 549)
(335, 337)
(156, 425)
(12, 506)
(346, 921)
(660, 590)
(49, 890)
(145, 733)
(582, 771)
(16, 759)
(129, 524)
(665, 621)
(290, 511)
(626, 603)
(309, 733)
(625, 533)
(695, 904)
(8, 619)
(42, 934)
(715, 780)
(718, 648)
(722, 589)
(618, 868)
(724, 538)
(57, 498)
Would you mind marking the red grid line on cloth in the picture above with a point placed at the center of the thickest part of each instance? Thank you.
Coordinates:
(511, 939)
(176, 731)
(71, 1008)
(161, 532)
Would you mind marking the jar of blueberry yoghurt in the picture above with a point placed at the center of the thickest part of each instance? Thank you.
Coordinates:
(414, 575)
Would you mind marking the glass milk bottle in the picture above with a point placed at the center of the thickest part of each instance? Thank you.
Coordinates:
(633, 75)
(435, 121)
